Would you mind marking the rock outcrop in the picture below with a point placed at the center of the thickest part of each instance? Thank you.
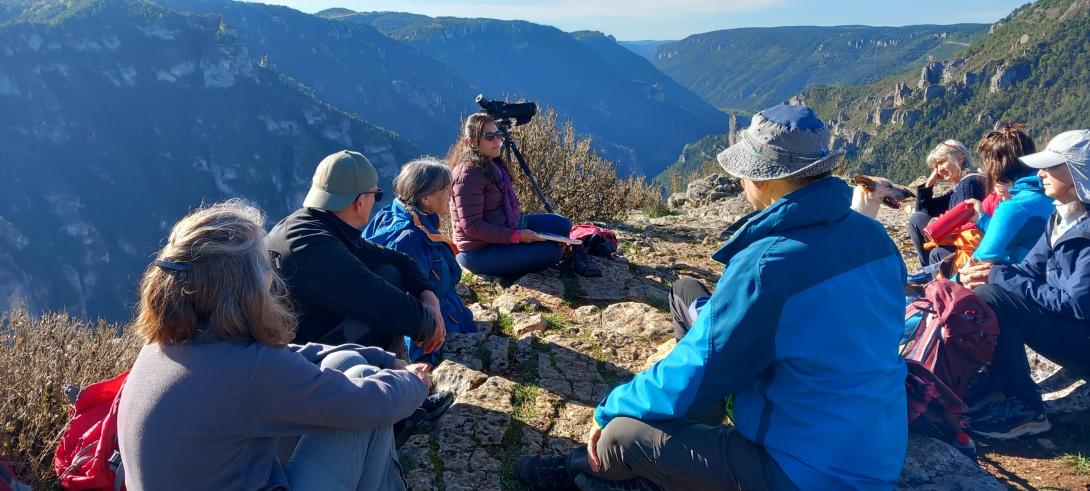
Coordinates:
(1009, 74)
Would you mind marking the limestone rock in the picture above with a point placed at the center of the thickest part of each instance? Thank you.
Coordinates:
(587, 314)
(454, 377)
(1007, 75)
(932, 92)
(545, 287)
(523, 324)
(499, 355)
(511, 302)
(935, 466)
(573, 423)
(464, 348)
(633, 320)
(712, 188)
(483, 312)
(930, 74)
(480, 415)
(615, 284)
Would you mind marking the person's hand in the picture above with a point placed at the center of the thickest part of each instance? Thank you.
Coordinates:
(527, 236)
(592, 450)
(1002, 190)
(439, 336)
(932, 179)
(978, 208)
(421, 371)
(974, 275)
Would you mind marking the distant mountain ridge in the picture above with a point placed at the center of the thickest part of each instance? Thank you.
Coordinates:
(1033, 66)
(612, 93)
(119, 116)
(752, 68)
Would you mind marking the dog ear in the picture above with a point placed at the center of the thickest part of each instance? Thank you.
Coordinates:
(865, 181)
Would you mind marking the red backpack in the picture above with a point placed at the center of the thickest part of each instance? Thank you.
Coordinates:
(953, 336)
(956, 335)
(599, 241)
(88, 456)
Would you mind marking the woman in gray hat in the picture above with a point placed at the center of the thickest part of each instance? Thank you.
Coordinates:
(1044, 301)
(803, 327)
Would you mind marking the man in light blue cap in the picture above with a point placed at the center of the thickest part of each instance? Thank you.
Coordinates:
(1044, 301)
(801, 334)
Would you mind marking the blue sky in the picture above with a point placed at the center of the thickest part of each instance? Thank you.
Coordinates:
(675, 19)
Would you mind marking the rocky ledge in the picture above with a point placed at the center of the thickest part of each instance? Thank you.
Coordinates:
(552, 344)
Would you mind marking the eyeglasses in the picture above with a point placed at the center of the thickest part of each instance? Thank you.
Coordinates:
(491, 135)
(377, 193)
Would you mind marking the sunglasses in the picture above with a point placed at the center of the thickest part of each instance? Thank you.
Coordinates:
(377, 193)
(491, 135)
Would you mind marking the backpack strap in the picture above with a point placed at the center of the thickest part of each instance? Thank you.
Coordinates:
(119, 470)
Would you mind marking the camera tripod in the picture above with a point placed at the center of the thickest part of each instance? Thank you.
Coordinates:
(511, 147)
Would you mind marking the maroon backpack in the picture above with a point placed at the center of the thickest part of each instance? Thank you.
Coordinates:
(956, 334)
(953, 334)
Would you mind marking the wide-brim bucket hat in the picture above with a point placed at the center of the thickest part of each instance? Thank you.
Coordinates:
(782, 142)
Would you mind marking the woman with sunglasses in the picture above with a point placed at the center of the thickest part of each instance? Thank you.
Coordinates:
(493, 236)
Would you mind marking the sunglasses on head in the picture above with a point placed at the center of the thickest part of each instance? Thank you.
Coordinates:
(491, 135)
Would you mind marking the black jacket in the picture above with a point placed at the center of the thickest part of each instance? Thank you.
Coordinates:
(329, 271)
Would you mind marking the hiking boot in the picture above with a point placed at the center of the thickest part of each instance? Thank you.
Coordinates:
(408, 427)
(434, 407)
(583, 266)
(1011, 419)
(545, 473)
(983, 392)
(590, 483)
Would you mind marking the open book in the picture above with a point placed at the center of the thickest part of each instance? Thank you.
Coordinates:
(559, 238)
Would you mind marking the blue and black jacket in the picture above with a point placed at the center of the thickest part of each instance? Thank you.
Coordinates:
(1054, 276)
(802, 330)
(394, 227)
(1016, 225)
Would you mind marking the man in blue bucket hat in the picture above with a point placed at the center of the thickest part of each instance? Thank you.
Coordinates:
(800, 336)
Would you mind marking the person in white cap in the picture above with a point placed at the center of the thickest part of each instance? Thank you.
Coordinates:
(1044, 301)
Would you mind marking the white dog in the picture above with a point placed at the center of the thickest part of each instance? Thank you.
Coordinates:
(872, 192)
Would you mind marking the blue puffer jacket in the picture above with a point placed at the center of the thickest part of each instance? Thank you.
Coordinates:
(1054, 276)
(393, 227)
(802, 329)
(1017, 223)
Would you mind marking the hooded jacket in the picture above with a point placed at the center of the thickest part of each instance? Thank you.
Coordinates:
(394, 227)
(1054, 276)
(802, 329)
(1017, 223)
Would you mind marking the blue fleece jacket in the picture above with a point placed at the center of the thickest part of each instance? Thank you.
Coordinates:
(802, 329)
(1017, 224)
(393, 227)
(1054, 276)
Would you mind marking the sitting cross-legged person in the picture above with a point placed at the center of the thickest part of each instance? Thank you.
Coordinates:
(217, 385)
(1044, 301)
(800, 336)
(411, 225)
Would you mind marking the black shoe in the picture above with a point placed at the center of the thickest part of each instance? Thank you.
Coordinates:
(408, 427)
(437, 404)
(1011, 419)
(583, 266)
(589, 483)
(545, 473)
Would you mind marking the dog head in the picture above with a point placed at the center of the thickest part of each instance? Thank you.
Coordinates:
(882, 189)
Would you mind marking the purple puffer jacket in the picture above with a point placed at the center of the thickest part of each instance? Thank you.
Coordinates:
(478, 212)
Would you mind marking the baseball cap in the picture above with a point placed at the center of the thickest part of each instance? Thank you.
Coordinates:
(339, 179)
(1070, 147)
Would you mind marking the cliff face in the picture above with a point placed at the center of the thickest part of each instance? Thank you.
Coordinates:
(119, 116)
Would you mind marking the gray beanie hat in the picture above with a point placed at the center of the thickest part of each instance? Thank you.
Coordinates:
(782, 142)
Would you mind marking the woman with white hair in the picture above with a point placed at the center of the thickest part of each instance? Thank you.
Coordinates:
(950, 161)
(411, 225)
(216, 385)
